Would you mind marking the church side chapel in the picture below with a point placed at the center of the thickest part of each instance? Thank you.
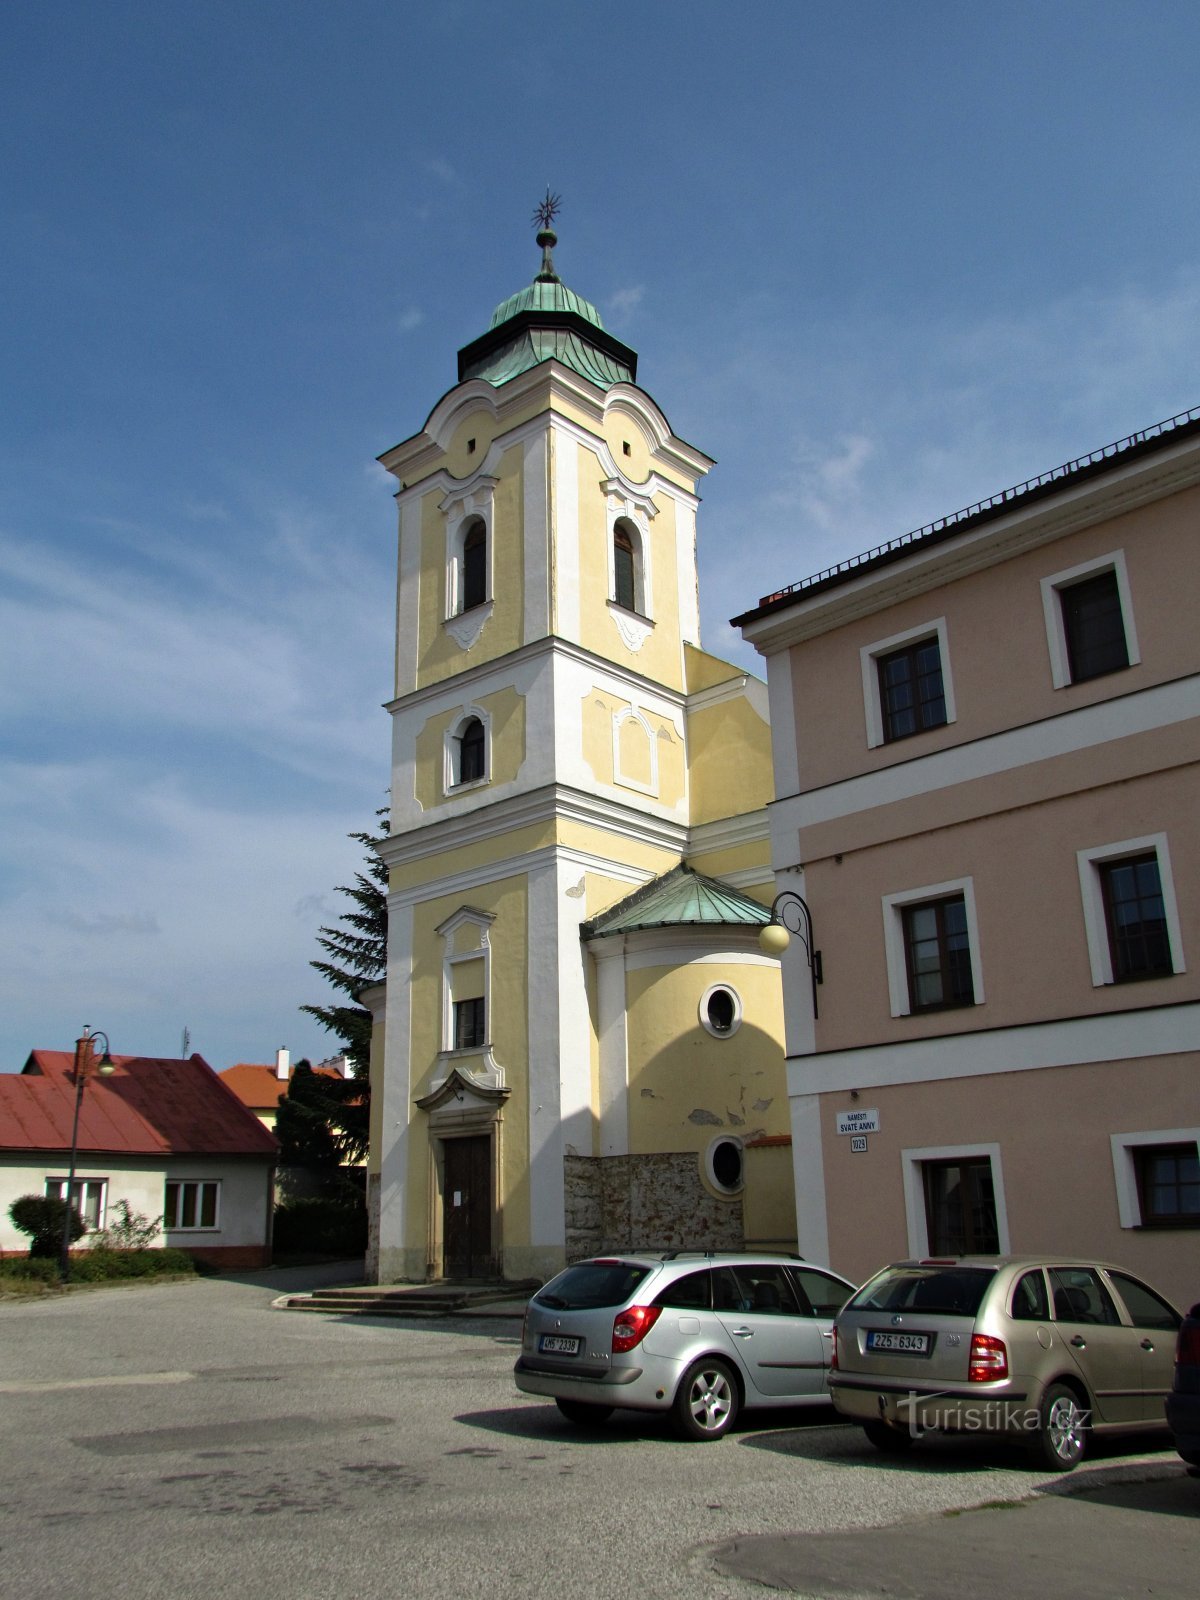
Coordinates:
(579, 1044)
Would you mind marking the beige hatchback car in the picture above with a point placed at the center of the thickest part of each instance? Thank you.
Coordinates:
(1042, 1349)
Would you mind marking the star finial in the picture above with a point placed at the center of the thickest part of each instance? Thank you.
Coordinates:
(548, 209)
(544, 216)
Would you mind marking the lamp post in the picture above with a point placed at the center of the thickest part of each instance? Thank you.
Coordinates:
(85, 1065)
(790, 915)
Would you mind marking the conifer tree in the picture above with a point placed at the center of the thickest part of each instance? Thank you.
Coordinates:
(357, 948)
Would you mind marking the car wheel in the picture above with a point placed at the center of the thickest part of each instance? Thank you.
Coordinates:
(585, 1412)
(706, 1402)
(1062, 1437)
(892, 1441)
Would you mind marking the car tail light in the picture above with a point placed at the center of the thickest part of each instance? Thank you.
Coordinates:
(989, 1359)
(632, 1325)
(1187, 1346)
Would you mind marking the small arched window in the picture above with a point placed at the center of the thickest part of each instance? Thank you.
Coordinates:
(470, 751)
(624, 569)
(474, 566)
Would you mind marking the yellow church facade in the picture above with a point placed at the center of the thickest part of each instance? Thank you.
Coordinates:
(579, 1044)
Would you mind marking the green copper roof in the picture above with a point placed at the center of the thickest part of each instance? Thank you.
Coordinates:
(547, 321)
(543, 295)
(680, 898)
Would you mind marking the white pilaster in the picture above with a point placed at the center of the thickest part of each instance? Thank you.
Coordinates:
(534, 484)
(397, 1110)
(564, 533)
(609, 956)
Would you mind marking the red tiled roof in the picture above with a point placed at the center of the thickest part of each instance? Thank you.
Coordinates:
(150, 1106)
(259, 1087)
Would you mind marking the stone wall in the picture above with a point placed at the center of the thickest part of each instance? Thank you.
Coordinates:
(650, 1202)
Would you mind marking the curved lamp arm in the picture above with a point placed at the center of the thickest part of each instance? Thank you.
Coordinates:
(790, 915)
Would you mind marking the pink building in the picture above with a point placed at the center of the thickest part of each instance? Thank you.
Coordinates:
(986, 737)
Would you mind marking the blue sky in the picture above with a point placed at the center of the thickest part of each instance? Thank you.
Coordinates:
(879, 259)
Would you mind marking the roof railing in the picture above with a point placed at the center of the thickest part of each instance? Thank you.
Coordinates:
(1067, 470)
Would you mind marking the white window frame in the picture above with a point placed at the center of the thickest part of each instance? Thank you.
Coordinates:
(450, 959)
(171, 1225)
(1092, 891)
(735, 1024)
(452, 751)
(893, 938)
(56, 1188)
(869, 657)
(1129, 1201)
(1056, 633)
(912, 1165)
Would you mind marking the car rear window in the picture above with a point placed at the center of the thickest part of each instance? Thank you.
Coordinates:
(592, 1284)
(942, 1291)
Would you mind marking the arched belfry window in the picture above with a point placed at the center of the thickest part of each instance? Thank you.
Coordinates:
(473, 581)
(624, 568)
(471, 751)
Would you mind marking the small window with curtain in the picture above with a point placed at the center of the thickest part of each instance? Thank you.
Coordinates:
(191, 1205)
(938, 955)
(960, 1207)
(469, 1024)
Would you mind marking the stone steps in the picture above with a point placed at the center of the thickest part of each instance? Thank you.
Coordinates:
(412, 1300)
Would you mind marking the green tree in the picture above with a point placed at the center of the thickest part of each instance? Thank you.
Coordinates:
(303, 1125)
(42, 1216)
(358, 951)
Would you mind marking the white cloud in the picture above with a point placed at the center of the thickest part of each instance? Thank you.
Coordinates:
(624, 302)
(410, 319)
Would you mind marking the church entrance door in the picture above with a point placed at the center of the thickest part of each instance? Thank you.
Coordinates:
(467, 1208)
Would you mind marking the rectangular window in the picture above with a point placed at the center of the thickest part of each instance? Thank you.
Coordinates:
(1094, 627)
(907, 683)
(960, 1207)
(469, 1024)
(911, 696)
(1168, 1180)
(87, 1195)
(937, 953)
(190, 1205)
(1136, 918)
(1089, 620)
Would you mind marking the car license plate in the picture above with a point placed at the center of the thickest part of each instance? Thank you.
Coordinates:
(558, 1344)
(913, 1344)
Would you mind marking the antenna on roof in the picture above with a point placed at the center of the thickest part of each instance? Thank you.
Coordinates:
(185, 1043)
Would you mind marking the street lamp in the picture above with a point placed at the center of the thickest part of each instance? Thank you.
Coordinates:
(790, 914)
(85, 1065)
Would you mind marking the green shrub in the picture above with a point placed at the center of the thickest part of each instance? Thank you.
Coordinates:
(43, 1217)
(103, 1266)
(26, 1268)
(126, 1230)
(321, 1227)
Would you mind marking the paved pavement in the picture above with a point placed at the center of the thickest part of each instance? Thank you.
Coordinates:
(188, 1440)
(1108, 1531)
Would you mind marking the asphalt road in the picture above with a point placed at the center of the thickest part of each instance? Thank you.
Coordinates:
(188, 1441)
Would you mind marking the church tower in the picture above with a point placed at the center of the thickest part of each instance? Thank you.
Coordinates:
(578, 1041)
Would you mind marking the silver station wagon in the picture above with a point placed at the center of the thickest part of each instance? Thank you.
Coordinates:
(701, 1336)
(1041, 1349)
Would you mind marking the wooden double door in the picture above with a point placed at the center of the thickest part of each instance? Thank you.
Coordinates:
(467, 1207)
